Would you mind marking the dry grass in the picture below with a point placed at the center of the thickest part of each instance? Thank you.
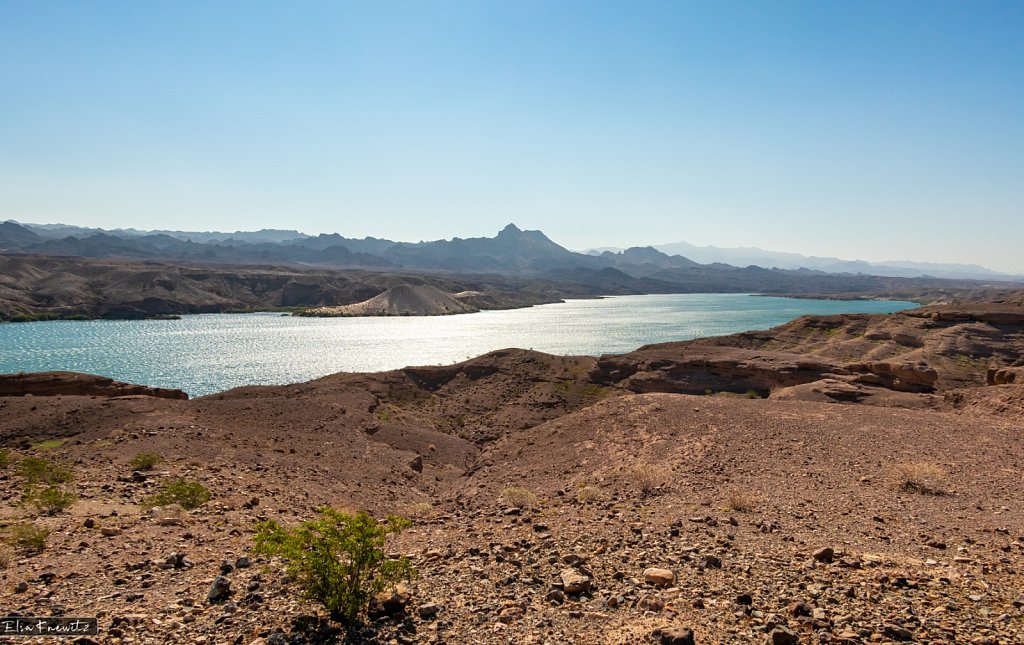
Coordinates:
(740, 500)
(648, 478)
(587, 494)
(519, 497)
(921, 477)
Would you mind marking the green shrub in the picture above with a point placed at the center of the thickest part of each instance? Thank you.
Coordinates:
(338, 559)
(145, 461)
(187, 494)
(50, 500)
(28, 538)
(41, 471)
(5, 459)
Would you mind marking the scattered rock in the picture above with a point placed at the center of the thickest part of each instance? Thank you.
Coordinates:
(574, 582)
(782, 636)
(674, 636)
(220, 590)
(389, 603)
(659, 577)
(825, 555)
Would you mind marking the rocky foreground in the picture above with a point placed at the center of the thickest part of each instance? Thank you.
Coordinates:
(654, 497)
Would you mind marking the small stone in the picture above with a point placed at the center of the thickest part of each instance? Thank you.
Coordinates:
(110, 531)
(220, 590)
(935, 544)
(176, 560)
(21, 587)
(659, 577)
(674, 636)
(825, 555)
(89, 523)
(389, 603)
(226, 567)
(428, 611)
(712, 562)
(897, 632)
(243, 563)
(745, 599)
(782, 636)
(417, 464)
(556, 596)
(574, 582)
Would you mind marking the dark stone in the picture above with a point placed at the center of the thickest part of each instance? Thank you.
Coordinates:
(825, 555)
(782, 636)
(220, 590)
(674, 636)
(897, 632)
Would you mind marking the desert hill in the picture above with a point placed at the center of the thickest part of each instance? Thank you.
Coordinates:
(402, 300)
(544, 489)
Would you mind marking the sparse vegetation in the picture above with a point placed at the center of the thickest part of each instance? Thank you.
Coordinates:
(50, 500)
(338, 559)
(649, 478)
(589, 494)
(921, 477)
(28, 538)
(519, 497)
(40, 471)
(187, 494)
(5, 459)
(145, 461)
(48, 444)
(740, 500)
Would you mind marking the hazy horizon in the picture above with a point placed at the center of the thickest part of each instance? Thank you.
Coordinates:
(872, 131)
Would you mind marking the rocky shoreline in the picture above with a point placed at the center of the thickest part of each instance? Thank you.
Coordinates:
(870, 498)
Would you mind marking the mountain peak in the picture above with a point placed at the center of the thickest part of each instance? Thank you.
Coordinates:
(511, 229)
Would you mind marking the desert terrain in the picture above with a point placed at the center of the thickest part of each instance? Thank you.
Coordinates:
(839, 479)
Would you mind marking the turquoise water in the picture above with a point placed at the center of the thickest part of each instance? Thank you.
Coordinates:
(214, 352)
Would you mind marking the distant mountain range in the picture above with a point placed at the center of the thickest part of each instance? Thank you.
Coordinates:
(749, 255)
(529, 255)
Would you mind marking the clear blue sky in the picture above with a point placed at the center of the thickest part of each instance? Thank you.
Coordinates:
(872, 130)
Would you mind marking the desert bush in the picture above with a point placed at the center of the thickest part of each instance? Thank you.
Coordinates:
(28, 538)
(740, 500)
(41, 471)
(338, 559)
(649, 478)
(5, 459)
(50, 500)
(145, 461)
(921, 477)
(589, 494)
(519, 497)
(187, 494)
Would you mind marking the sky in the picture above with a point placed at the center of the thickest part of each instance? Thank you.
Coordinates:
(861, 130)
